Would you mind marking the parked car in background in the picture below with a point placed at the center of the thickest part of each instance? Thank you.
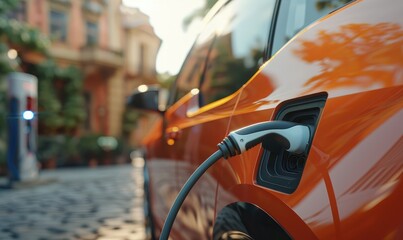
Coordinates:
(336, 65)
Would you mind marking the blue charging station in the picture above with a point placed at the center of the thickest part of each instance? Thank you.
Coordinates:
(22, 126)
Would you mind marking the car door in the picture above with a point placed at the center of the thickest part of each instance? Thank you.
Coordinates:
(341, 75)
(226, 54)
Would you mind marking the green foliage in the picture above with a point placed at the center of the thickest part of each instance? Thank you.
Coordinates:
(70, 154)
(7, 5)
(60, 109)
(18, 33)
(14, 33)
(89, 148)
(3, 151)
(73, 109)
(4, 68)
(60, 148)
(49, 106)
(49, 147)
(120, 148)
(6, 64)
(75, 151)
(3, 124)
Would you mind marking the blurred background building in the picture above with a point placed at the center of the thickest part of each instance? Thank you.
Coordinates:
(115, 47)
(88, 56)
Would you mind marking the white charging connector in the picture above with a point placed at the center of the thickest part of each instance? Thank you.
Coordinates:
(291, 136)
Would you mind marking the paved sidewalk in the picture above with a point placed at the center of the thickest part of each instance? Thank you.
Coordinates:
(100, 203)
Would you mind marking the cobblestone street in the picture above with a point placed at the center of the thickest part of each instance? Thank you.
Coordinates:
(98, 203)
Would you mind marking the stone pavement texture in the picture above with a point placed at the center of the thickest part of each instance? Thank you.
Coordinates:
(101, 203)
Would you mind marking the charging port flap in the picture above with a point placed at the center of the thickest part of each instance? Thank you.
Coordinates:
(280, 170)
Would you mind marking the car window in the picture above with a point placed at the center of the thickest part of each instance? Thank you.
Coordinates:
(238, 49)
(193, 67)
(294, 15)
(228, 51)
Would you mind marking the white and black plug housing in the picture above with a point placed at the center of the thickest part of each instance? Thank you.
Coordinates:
(291, 136)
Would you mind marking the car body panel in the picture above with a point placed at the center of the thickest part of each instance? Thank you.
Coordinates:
(351, 186)
(365, 103)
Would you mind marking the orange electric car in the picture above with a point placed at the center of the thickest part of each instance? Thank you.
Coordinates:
(334, 67)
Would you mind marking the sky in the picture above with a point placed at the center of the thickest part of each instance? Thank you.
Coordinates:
(166, 16)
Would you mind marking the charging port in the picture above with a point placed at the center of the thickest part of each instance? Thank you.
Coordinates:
(279, 169)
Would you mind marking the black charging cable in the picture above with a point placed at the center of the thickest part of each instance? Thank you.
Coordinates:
(291, 136)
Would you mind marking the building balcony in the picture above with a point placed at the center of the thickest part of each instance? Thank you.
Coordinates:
(95, 55)
(88, 56)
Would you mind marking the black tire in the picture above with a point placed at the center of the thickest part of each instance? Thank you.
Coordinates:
(228, 221)
(246, 221)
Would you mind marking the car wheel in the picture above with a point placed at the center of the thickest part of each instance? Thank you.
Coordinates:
(246, 221)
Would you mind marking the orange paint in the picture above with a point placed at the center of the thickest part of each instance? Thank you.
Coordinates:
(351, 186)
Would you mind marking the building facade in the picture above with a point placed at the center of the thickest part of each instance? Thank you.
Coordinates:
(115, 47)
